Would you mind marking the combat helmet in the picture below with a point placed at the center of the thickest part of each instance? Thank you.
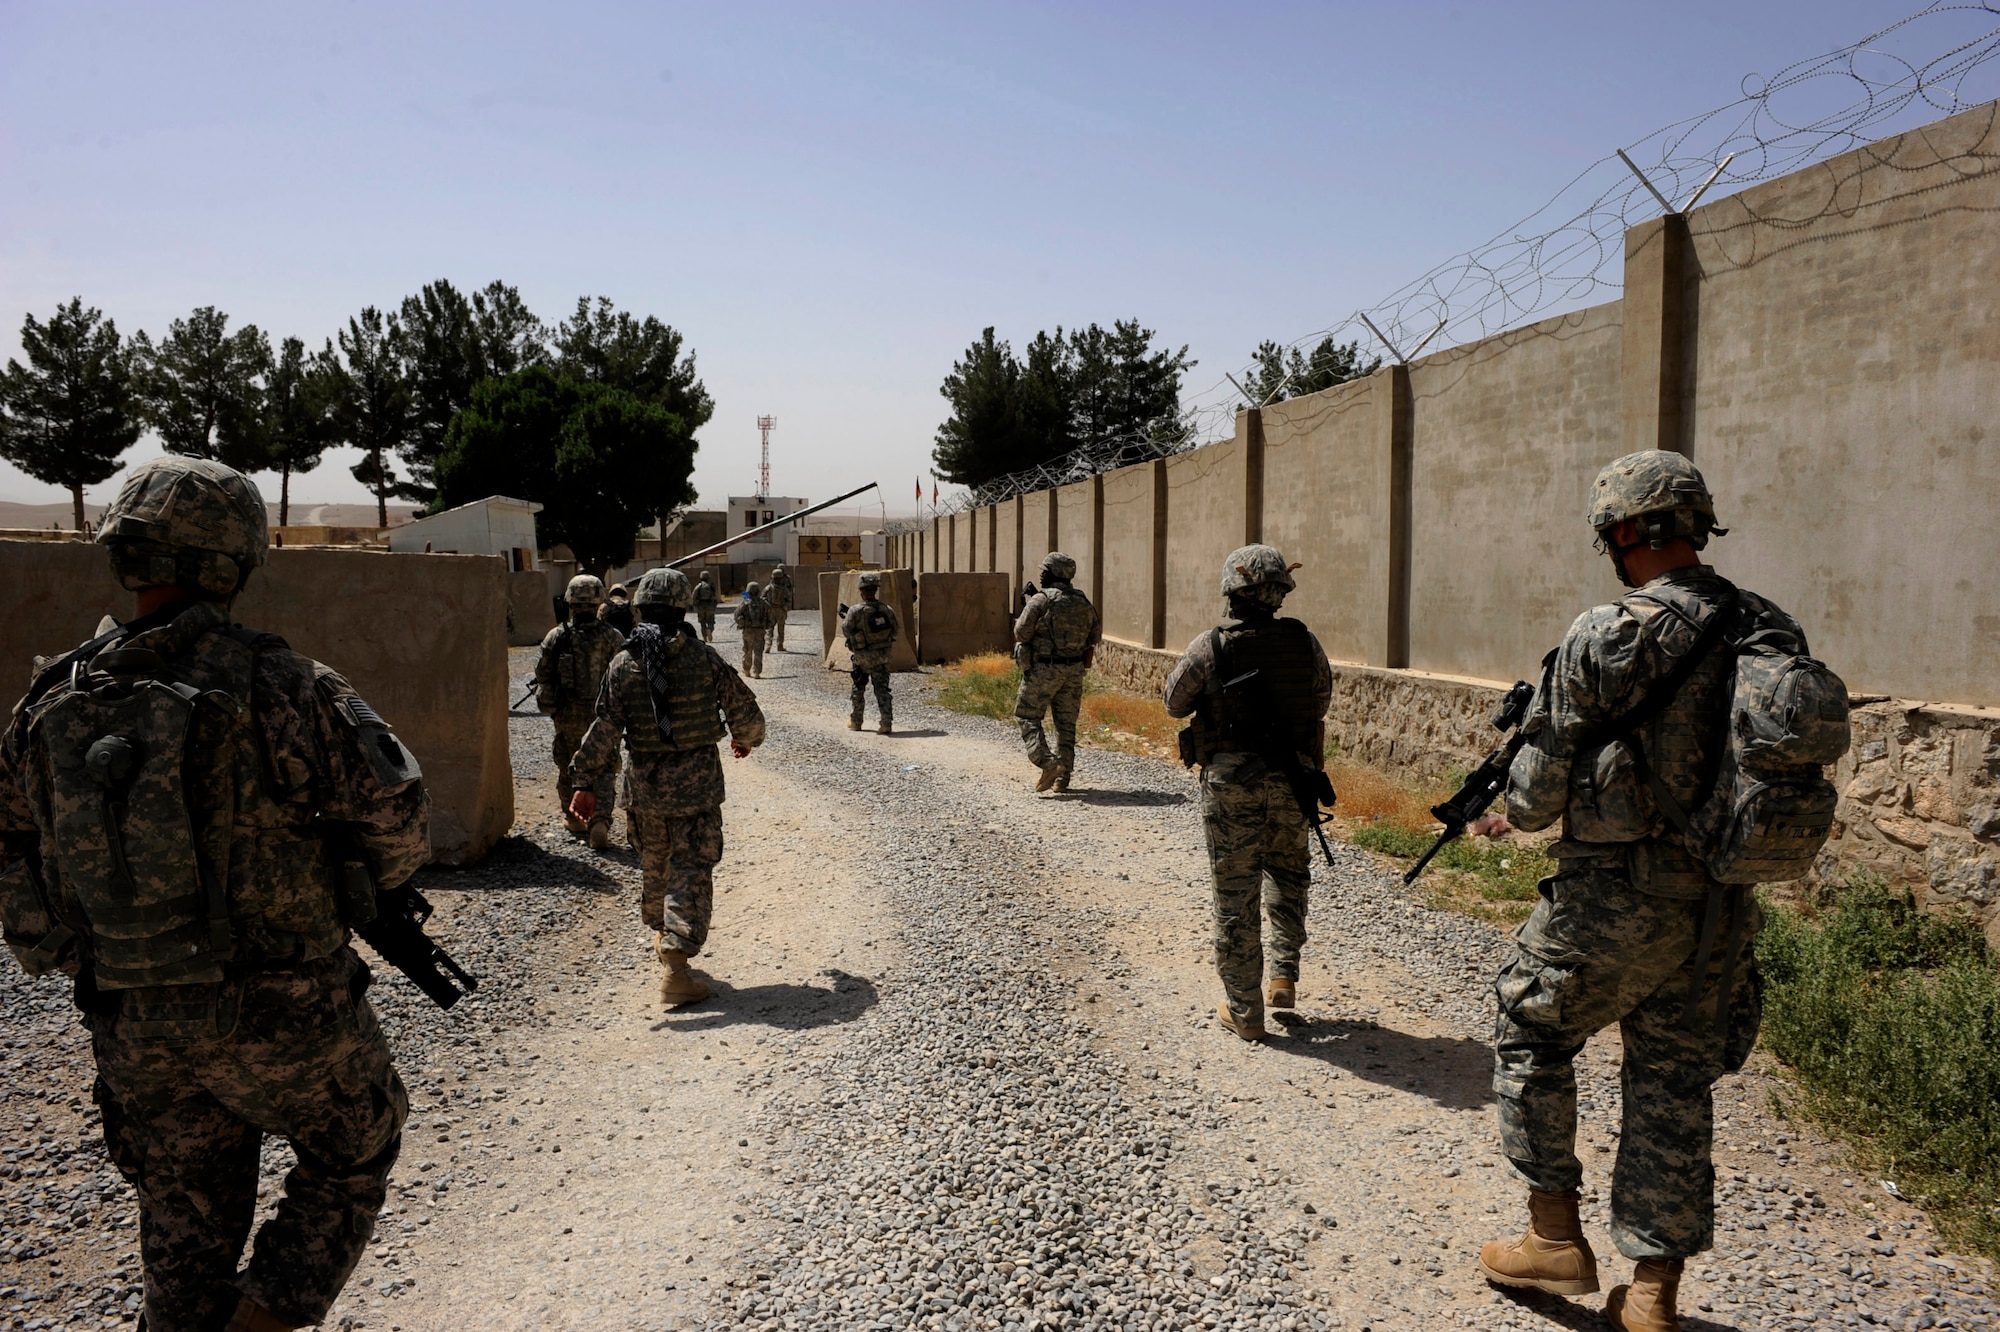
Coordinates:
(870, 580)
(752, 590)
(584, 590)
(663, 588)
(1663, 490)
(1256, 566)
(1058, 567)
(186, 522)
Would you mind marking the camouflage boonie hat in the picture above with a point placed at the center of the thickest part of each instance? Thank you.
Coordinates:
(1653, 481)
(664, 587)
(186, 521)
(753, 589)
(584, 590)
(1058, 566)
(1256, 566)
(871, 580)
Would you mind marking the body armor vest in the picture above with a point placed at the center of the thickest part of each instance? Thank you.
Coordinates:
(583, 655)
(693, 709)
(754, 614)
(1278, 697)
(1062, 635)
(878, 631)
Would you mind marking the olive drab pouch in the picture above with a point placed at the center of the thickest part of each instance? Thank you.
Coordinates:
(36, 933)
(125, 847)
(1772, 806)
(1068, 623)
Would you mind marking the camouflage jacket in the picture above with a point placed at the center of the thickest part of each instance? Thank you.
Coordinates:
(296, 768)
(866, 637)
(574, 658)
(779, 594)
(705, 595)
(753, 613)
(677, 782)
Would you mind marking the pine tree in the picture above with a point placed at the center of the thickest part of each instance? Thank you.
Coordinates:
(67, 415)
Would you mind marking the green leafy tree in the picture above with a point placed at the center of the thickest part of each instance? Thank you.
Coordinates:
(601, 344)
(454, 342)
(1090, 386)
(300, 395)
(67, 415)
(595, 457)
(1289, 373)
(200, 386)
(372, 409)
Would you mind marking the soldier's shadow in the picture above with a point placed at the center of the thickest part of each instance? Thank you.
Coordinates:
(517, 863)
(786, 1007)
(1117, 799)
(1559, 1312)
(1455, 1072)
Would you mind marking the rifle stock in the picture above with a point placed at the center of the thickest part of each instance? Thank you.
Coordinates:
(397, 933)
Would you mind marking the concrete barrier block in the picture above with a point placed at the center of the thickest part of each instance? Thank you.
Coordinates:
(531, 610)
(963, 614)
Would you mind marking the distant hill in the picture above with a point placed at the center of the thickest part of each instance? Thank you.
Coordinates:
(13, 514)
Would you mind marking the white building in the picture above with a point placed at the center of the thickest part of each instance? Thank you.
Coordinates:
(751, 511)
(496, 525)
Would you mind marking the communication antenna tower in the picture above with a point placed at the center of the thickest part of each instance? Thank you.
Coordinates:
(764, 424)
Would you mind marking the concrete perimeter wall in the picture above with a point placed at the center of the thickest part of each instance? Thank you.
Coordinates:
(423, 637)
(1826, 346)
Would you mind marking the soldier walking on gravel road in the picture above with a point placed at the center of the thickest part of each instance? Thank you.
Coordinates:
(669, 697)
(705, 601)
(753, 622)
(781, 596)
(1258, 684)
(1056, 639)
(870, 631)
(167, 792)
(1629, 720)
(575, 655)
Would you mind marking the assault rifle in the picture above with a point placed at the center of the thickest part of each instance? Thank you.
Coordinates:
(1487, 781)
(1311, 788)
(392, 921)
(522, 699)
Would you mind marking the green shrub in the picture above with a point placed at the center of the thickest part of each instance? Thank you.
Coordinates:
(983, 686)
(1506, 873)
(1890, 1018)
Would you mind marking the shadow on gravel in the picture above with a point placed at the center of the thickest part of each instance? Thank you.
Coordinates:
(786, 1007)
(1455, 1072)
(1117, 799)
(911, 735)
(1582, 1317)
(517, 862)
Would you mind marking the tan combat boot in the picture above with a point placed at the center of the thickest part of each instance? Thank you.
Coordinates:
(1249, 1031)
(1284, 993)
(854, 723)
(1553, 1255)
(573, 823)
(1062, 780)
(1051, 771)
(600, 836)
(886, 728)
(1647, 1304)
(251, 1316)
(679, 985)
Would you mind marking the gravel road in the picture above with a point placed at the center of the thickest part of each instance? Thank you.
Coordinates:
(961, 1071)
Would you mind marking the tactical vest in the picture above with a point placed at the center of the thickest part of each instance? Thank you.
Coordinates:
(583, 654)
(704, 593)
(1062, 635)
(780, 595)
(754, 614)
(693, 713)
(877, 631)
(163, 845)
(1279, 696)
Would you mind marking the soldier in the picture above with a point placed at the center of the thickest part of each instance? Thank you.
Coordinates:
(1056, 636)
(753, 621)
(1614, 937)
(1279, 689)
(781, 598)
(669, 697)
(705, 600)
(575, 655)
(870, 630)
(617, 609)
(202, 766)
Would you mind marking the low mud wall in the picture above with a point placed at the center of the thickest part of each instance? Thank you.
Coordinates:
(423, 637)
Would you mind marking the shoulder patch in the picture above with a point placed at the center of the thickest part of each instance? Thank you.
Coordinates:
(393, 763)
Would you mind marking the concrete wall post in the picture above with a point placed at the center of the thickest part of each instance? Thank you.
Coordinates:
(1395, 422)
(1252, 453)
(1156, 618)
(1657, 308)
(1020, 534)
(1097, 538)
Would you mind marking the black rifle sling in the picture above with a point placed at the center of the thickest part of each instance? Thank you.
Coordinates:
(1626, 730)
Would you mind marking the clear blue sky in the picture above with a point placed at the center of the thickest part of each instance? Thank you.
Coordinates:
(830, 201)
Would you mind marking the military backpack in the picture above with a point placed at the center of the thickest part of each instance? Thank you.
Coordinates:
(1063, 636)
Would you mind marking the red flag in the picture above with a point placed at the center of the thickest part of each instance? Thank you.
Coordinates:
(934, 492)
(920, 490)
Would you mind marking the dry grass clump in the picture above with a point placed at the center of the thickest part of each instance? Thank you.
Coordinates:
(1127, 722)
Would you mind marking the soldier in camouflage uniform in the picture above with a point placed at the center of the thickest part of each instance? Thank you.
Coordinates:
(166, 792)
(706, 599)
(753, 621)
(669, 697)
(617, 609)
(1257, 843)
(1056, 639)
(870, 630)
(1614, 937)
(781, 597)
(575, 656)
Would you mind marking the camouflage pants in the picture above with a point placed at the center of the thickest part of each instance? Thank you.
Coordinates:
(307, 1062)
(778, 618)
(753, 651)
(1598, 951)
(706, 616)
(677, 859)
(1048, 688)
(1257, 854)
(569, 735)
(871, 668)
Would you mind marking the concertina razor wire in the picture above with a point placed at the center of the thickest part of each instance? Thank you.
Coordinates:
(1570, 251)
